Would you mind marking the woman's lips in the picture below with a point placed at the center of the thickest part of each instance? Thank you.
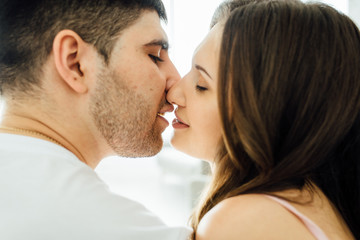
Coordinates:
(177, 123)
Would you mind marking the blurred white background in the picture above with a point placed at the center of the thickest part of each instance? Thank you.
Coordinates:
(169, 183)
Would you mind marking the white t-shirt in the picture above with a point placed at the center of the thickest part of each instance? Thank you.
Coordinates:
(47, 193)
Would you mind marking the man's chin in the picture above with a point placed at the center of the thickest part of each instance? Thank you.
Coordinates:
(141, 150)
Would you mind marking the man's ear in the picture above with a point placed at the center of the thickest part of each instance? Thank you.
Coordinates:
(69, 52)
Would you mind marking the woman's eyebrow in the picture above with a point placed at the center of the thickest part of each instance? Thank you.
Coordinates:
(200, 68)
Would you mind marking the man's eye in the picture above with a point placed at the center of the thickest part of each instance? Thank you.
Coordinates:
(155, 59)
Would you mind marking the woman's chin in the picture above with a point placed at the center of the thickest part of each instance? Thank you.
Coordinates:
(178, 145)
(189, 150)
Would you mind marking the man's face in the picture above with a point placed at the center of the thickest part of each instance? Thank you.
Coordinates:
(130, 91)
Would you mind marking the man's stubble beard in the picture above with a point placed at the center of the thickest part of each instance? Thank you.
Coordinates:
(124, 118)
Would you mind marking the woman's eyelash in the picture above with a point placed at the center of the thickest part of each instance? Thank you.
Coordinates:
(200, 88)
(155, 59)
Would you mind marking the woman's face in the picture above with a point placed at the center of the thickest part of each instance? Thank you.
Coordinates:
(197, 129)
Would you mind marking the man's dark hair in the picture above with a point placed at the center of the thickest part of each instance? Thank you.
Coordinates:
(28, 28)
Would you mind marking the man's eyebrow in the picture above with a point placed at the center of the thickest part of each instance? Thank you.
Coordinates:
(200, 68)
(158, 42)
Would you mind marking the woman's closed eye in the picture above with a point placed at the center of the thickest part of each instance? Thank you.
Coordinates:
(155, 59)
(201, 88)
(201, 84)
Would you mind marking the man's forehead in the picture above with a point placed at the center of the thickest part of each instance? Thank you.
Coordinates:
(146, 31)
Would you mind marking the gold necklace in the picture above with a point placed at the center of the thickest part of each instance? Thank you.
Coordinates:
(31, 132)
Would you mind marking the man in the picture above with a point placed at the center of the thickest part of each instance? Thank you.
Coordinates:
(81, 80)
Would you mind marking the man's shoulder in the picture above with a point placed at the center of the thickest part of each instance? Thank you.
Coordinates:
(64, 197)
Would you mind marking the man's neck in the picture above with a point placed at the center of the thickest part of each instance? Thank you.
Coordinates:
(47, 129)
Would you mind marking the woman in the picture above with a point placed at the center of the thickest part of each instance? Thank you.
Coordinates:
(273, 102)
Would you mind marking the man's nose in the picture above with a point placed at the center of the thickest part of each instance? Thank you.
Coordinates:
(176, 94)
(173, 76)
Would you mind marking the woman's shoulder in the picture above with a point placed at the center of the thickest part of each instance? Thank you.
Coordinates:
(252, 215)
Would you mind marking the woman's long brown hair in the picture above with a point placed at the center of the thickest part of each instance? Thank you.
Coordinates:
(289, 98)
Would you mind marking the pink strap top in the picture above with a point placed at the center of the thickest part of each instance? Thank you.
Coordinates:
(313, 228)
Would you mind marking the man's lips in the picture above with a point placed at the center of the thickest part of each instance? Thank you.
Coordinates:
(161, 117)
(166, 108)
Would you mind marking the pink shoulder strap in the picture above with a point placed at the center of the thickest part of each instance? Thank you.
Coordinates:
(313, 228)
